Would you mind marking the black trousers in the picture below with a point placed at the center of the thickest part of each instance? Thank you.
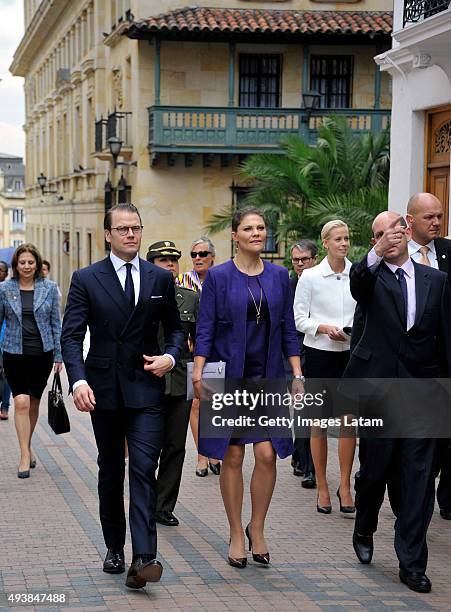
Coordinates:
(408, 467)
(143, 430)
(302, 454)
(444, 486)
(176, 410)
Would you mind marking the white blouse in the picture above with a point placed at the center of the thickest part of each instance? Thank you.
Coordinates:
(323, 297)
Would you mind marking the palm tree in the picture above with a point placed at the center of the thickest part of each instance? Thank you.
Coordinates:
(344, 176)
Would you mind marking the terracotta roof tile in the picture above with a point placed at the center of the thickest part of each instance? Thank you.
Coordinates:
(203, 20)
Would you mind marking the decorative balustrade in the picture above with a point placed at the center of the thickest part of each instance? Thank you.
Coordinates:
(176, 129)
(417, 10)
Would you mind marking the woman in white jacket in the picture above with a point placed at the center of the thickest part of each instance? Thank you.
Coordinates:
(323, 306)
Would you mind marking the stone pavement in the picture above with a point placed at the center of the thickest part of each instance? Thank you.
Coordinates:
(51, 542)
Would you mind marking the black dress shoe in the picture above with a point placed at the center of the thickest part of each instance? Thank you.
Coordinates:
(114, 561)
(166, 518)
(415, 581)
(24, 474)
(262, 558)
(143, 569)
(215, 467)
(298, 471)
(202, 473)
(309, 481)
(445, 514)
(363, 546)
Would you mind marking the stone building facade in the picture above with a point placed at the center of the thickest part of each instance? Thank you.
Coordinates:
(12, 198)
(188, 92)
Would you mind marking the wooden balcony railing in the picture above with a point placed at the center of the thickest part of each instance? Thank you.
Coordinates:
(177, 129)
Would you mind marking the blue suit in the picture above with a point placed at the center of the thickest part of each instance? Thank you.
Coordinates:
(129, 401)
(221, 332)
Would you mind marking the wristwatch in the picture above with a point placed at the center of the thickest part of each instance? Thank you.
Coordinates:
(299, 377)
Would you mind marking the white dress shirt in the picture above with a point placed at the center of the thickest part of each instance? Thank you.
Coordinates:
(119, 266)
(414, 252)
(323, 297)
(409, 269)
(121, 271)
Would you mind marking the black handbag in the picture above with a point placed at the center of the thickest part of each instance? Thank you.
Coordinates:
(57, 414)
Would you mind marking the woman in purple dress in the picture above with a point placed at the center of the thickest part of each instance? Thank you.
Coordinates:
(246, 320)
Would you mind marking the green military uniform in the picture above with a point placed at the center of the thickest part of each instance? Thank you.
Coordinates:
(177, 407)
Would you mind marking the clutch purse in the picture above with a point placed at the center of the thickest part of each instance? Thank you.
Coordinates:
(57, 414)
(213, 370)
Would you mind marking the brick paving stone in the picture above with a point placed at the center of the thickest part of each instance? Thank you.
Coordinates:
(52, 542)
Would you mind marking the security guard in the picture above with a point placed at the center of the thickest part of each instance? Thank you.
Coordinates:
(165, 255)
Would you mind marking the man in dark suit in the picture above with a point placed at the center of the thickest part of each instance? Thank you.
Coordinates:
(406, 334)
(123, 299)
(303, 256)
(425, 218)
(165, 254)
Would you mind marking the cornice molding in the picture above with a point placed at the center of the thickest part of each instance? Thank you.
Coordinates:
(116, 35)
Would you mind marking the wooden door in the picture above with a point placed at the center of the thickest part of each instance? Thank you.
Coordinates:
(439, 158)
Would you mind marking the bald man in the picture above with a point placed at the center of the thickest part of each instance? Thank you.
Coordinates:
(425, 218)
(400, 340)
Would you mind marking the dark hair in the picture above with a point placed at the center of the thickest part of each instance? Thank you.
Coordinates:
(46, 263)
(130, 208)
(27, 248)
(3, 263)
(306, 245)
(239, 215)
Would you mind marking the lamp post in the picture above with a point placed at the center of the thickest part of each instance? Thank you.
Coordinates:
(115, 145)
(42, 181)
(310, 102)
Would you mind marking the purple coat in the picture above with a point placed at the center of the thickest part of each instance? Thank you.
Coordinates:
(221, 332)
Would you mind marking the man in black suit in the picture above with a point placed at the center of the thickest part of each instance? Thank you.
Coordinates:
(406, 334)
(123, 299)
(425, 219)
(303, 256)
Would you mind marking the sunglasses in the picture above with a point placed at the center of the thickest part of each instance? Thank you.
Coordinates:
(199, 254)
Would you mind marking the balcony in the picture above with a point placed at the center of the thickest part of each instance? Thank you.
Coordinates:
(418, 10)
(117, 124)
(241, 131)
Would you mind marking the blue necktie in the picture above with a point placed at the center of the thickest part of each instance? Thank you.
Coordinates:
(129, 287)
(400, 274)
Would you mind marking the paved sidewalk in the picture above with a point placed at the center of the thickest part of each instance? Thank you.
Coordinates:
(51, 542)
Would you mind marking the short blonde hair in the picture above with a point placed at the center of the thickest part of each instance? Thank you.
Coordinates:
(331, 225)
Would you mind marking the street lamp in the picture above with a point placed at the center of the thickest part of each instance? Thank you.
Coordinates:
(42, 181)
(311, 101)
(115, 145)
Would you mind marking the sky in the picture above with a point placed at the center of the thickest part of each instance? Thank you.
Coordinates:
(12, 111)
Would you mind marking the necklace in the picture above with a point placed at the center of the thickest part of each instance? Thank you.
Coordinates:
(259, 307)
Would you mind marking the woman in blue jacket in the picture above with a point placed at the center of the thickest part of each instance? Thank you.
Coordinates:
(246, 320)
(30, 306)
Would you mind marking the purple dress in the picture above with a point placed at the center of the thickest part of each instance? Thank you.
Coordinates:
(256, 354)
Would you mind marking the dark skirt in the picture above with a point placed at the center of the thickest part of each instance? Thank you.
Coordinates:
(28, 374)
(323, 371)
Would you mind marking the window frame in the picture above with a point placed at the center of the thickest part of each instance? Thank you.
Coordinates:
(329, 76)
(259, 75)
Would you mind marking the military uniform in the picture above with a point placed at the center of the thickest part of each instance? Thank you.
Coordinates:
(177, 407)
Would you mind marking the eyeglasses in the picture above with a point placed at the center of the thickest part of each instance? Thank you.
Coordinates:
(199, 254)
(123, 230)
(303, 260)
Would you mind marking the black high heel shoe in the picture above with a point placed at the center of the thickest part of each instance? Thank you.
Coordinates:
(323, 509)
(345, 509)
(258, 558)
(33, 464)
(239, 563)
(215, 467)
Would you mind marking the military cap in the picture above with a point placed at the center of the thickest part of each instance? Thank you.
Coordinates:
(163, 248)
